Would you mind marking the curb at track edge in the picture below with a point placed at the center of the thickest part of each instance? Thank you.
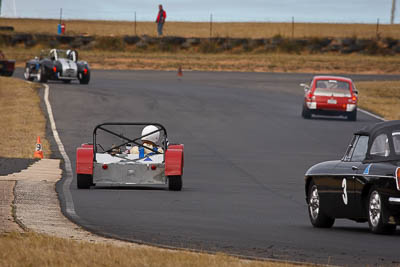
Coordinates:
(69, 203)
(371, 114)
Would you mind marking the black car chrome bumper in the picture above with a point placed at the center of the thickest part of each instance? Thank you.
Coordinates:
(394, 200)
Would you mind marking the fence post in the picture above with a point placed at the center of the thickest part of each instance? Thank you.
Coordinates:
(211, 18)
(292, 27)
(393, 11)
(135, 24)
(377, 28)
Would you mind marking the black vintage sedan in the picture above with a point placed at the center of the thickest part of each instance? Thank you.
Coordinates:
(363, 186)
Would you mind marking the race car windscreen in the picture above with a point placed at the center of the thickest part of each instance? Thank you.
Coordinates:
(62, 54)
(332, 88)
(120, 139)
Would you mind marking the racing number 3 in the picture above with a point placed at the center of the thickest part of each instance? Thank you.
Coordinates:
(344, 195)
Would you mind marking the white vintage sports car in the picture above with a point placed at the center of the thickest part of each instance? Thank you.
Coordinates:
(57, 64)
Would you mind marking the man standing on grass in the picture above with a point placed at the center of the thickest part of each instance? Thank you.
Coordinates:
(162, 15)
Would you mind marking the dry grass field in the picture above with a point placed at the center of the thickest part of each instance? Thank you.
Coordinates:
(202, 29)
(31, 249)
(382, 98)
(21, 119)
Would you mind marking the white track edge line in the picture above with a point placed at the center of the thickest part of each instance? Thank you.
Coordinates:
(69, 203)
(371, 114)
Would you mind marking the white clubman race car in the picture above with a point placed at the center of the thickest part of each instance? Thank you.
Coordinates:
(116, 165)
(57, 65)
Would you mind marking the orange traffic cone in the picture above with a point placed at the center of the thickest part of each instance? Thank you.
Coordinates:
(180, 73)
(38, 149)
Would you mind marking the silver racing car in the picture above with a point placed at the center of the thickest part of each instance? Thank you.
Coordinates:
(57, 64)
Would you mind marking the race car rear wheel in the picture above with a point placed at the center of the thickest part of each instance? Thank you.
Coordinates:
(8, 73)
(175, 183)
(352, 116)
(27, 74)
(305, 113)
(84, 79)
(317, 217)
(376, 209)
(84, 181)
(41, 75)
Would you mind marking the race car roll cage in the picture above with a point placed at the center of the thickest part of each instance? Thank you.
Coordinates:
(160, 127)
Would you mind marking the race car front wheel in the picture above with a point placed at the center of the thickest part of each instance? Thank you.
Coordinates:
(175, 183)
(317, 217)
(375, 214)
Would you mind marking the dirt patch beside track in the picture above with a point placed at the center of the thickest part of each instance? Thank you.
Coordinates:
(7, 222)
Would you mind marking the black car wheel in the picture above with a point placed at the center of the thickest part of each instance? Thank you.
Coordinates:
(352, 116)
(41, 75)
(84, 181)
(305, 113)
(8, 73)
(175, 183)
(84, 79)
(27, 74)
(375, 215)
(317, 217)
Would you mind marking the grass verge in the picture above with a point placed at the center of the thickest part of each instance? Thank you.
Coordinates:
(31, 249)
(21, 119)
(202, 29)
(382, 98)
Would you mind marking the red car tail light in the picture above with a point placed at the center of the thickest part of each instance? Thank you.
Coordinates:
(354, 98)
(398, 178)
(85, 71)
(54, 69)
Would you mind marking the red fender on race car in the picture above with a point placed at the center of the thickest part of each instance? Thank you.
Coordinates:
(84, 159)
(174, 160)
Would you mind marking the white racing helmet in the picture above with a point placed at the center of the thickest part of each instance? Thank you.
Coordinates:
(154, 137)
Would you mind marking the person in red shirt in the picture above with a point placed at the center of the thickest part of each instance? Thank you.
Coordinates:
(162, 15)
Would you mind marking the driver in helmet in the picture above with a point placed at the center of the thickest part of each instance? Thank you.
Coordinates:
(72, 55)
(149, 140)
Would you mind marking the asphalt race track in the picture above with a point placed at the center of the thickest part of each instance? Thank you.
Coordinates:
(246, 151)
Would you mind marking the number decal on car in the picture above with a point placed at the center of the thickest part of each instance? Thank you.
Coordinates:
(344, 195)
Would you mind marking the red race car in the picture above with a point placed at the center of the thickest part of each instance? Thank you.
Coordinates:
(114, 159)
(330, 95)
